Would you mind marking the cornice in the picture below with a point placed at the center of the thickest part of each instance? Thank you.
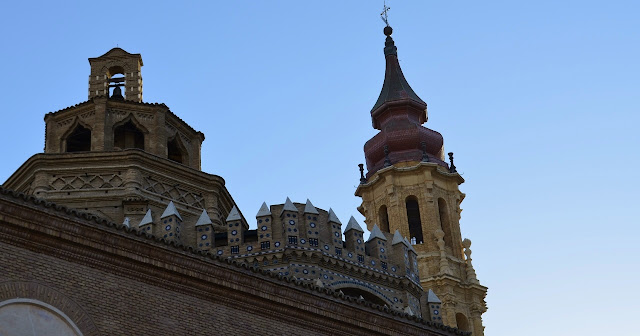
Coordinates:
(132, 157)
(378, 175)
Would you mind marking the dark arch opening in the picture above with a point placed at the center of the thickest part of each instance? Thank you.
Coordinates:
(413, 217)
(79, 140)
(444, 222)
(128, 135)
(175, 152)
(383, 218)
(462, 322)
(356, 293)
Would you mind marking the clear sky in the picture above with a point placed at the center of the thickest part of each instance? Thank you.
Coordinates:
(539, 100)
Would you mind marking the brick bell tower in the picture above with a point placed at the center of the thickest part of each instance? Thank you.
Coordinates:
(410, 188)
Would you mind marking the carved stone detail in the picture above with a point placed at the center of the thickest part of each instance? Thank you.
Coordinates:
(86, 181)
(173, 191)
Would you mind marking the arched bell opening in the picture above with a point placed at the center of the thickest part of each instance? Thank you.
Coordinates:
(117, 83)
(414, 221)
(79, 140)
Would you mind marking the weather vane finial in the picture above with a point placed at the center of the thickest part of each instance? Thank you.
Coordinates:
(384, 16)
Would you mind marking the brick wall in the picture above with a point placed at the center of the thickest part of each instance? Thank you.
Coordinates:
(114, 281)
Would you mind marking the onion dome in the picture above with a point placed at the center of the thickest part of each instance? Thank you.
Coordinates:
(399, 114)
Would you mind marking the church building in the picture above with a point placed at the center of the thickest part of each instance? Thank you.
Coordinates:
(115, 230)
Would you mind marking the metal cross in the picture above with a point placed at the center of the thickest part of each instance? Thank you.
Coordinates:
(384, 16)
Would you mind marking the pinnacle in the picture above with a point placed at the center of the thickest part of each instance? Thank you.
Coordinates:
(171, 210)
(353, 225)
(264, 210)
(234, 214)
(204, 218)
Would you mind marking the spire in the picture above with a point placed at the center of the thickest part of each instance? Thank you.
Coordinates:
(333, 217)
(146, 219)
(395, 89)
(376, 233)
(264, 210)
(309, 208)
(204, 218)
(353, 225)
(234, 214)
(171, 210)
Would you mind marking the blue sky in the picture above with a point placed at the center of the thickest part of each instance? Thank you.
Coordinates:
(539, 101)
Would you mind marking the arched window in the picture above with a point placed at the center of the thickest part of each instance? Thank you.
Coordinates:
(413, 217)
(128, 135)
(383, 218)
(79, 140)
(17, 316)
(444, 222)
(462, 322)
(175, 151)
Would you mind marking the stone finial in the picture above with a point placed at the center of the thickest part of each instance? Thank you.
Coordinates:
(146, 219)
(204, 219)
(171, 210)
(264, 210)
(309, 208)
(126, 222)
(444, 264)
(452, 167)
(319, 283)
(363, 180)
(471, 273)
(234, 214)
(425, 156)
(387, 161)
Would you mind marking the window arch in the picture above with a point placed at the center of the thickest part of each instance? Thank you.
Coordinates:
(445, 224)
(18, 315)
(383, 218)
(128, 135)
(462, 322)
(413, 217)
(79, 140)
